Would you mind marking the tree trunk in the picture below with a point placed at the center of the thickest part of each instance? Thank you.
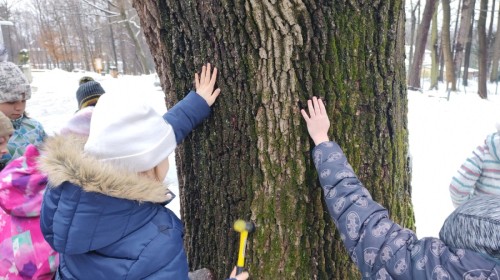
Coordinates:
(483, 51)
(490, 39)
(412, 35)
(421, 42)
(251, 159)
(465, 22)
(468, 48)
(435, 50)
(446, 45)
(496, 51)
(441, 61)
(112, 39)
(141, 58)
(456, 26)
(83, 40)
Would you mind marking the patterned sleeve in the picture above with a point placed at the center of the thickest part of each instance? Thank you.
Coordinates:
(376, 244)
(462, 184)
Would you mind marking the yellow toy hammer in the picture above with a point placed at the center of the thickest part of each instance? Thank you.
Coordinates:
(243, 228)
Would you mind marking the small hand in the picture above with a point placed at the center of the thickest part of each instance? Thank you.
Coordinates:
(317, 121)
(242, 276)
(205, 84)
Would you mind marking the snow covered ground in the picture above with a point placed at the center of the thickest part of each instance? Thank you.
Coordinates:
(442, 133)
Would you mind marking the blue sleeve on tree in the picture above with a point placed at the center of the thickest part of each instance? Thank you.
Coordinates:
(187, 114)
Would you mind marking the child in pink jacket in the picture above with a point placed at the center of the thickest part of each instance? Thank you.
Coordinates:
(24, 253)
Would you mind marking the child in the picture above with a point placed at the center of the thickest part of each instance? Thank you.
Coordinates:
(469, 244)
(104, 208)
(87, 95)
(24, 254)
(14, 91)
(88, 92)
(480, 173)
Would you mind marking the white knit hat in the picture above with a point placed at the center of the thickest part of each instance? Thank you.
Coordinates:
(127, 130)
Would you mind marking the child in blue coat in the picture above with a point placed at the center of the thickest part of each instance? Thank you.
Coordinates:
(104, 210)
(469, 243)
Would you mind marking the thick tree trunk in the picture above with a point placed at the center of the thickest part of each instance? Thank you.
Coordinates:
(483, 51)
(421, 42)
(251, 158)
(465, 22)
(446, 45)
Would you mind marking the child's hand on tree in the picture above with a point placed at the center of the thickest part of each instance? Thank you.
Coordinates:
(205, 83)
(317, 121)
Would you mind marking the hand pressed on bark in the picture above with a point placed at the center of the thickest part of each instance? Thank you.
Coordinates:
(317, 121)
(205, 83)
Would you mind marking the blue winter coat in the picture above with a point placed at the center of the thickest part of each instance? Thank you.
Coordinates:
(381, 248)
(110, 224)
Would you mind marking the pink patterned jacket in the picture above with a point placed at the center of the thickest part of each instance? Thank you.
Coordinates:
(24, 254)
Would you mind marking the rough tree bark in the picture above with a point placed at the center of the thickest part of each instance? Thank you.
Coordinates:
(421, 42)
(482, 90)
(251, 158)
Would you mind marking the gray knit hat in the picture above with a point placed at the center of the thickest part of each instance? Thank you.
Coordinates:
(6, 128)
(88, 93)
(475, 226)
(13, 84)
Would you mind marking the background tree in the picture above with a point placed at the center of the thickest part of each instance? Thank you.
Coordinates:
(446, 47)
(483, 50)
(434, 50)
(463, 32)
(252, 161)
(412, 31)
(468, 51)
(421, 42)
(496, 51)
(71, 34)
(490, 36)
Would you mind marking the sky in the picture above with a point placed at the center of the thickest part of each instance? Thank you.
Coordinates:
(442, 132)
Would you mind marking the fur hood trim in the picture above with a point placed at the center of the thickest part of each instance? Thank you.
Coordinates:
(63, 160)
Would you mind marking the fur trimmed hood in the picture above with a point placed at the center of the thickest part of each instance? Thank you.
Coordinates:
(63, 159)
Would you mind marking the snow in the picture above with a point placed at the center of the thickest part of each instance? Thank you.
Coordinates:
(442, 133)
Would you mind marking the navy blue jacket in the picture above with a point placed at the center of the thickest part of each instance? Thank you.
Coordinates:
(107, 223)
